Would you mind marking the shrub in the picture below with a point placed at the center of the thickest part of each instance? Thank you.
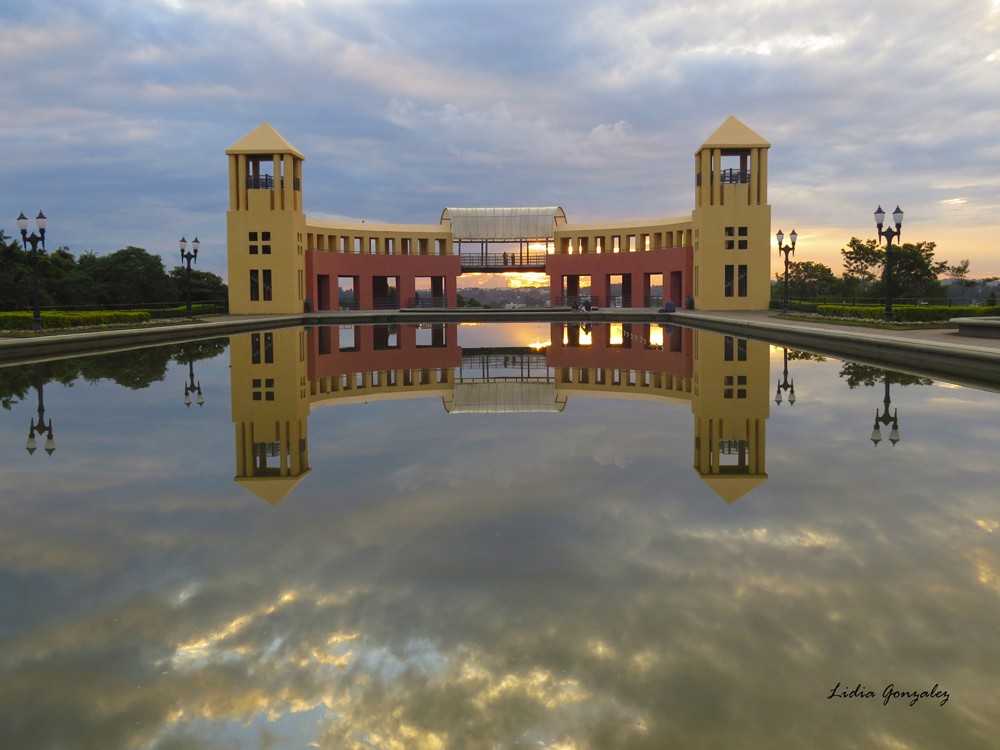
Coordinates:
(905, 313)
(22, 321)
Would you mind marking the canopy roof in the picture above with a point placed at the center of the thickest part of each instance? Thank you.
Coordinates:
(503, 224)
(504, 398)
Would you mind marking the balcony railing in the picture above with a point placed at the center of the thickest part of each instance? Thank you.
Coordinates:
(266, 182)
(734, 176)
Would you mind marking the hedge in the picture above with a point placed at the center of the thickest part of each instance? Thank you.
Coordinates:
(22, 321)
(905, 313)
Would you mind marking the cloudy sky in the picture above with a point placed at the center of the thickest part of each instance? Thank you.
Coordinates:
(118, 113)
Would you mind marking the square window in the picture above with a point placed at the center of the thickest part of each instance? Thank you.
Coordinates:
(265, 249)
(743, 245)
(729, 231)
(266, 236)
(743, 232)
(730, 244)
(253, 249)
(253, 236)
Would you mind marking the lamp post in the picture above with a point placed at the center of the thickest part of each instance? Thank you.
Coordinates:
(786, 249)
(34, 240)
(40, 427)
(885, 419)
(897, 217)
(192, 387)
(189, 257)
(785, 385)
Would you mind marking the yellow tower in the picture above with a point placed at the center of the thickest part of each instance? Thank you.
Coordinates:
(732, 221)
(269, 386)
(730, 405)
(265, 225)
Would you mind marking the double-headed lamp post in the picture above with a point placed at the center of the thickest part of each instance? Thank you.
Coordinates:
(34, 240)
(897, 217)
(787, 250)
(192, 386)
(785, 385)
(188, 257)
(885, 419)
(39, 427)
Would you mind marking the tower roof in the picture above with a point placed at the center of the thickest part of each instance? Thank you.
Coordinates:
(734, 134)
(731, 487)
(263, 140)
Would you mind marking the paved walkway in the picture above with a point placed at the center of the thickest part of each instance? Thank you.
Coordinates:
(943, 336)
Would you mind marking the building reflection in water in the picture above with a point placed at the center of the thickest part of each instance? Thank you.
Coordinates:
(279, 376)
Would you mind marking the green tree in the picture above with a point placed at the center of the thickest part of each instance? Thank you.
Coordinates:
(809, 280)
(205, 286)
(15, 275)
(131, 276)
(914, 270)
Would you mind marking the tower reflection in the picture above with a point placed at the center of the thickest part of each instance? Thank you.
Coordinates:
(279, 376)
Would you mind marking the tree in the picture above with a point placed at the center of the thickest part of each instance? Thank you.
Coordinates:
(914, 270)
(205, 286)
(863, 262)
(15, 273)
(132, 276)
(807, 279)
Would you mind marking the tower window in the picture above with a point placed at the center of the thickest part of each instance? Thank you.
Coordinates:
(267, 284)
(254, 285)
(730, 274)
(742, 280)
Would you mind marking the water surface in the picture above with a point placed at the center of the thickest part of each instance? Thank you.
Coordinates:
(495, 536)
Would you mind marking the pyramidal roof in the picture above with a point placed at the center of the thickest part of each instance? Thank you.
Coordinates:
(263, 140)
(734, 134)
(271, 489)
(731, 487)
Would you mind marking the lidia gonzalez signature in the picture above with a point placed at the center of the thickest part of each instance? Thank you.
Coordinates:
(890, 693)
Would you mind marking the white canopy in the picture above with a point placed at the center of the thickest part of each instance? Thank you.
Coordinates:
(503, 224)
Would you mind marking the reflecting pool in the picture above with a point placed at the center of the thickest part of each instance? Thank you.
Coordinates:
(495, 536)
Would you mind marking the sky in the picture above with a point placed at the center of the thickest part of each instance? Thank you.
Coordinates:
(118, 113)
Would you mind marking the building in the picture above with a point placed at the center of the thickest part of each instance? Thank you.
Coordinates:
(281, 261)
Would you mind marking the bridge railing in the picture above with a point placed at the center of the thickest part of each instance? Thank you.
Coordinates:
(501, 261)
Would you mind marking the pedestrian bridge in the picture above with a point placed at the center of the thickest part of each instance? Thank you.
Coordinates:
(513, 261)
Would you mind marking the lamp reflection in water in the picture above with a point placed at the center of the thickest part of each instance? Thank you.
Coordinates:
(39, 427)
(884, 419)
(784, 384)
(192, 386)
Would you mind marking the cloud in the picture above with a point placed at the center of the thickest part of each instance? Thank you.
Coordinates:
(592, 105)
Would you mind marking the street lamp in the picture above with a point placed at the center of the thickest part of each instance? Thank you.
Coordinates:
(897, 217)
(192, 387)
(34, 240)
(39, 427)
(188, 257)
(786, 249)
(885, 419)
(785, 385)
